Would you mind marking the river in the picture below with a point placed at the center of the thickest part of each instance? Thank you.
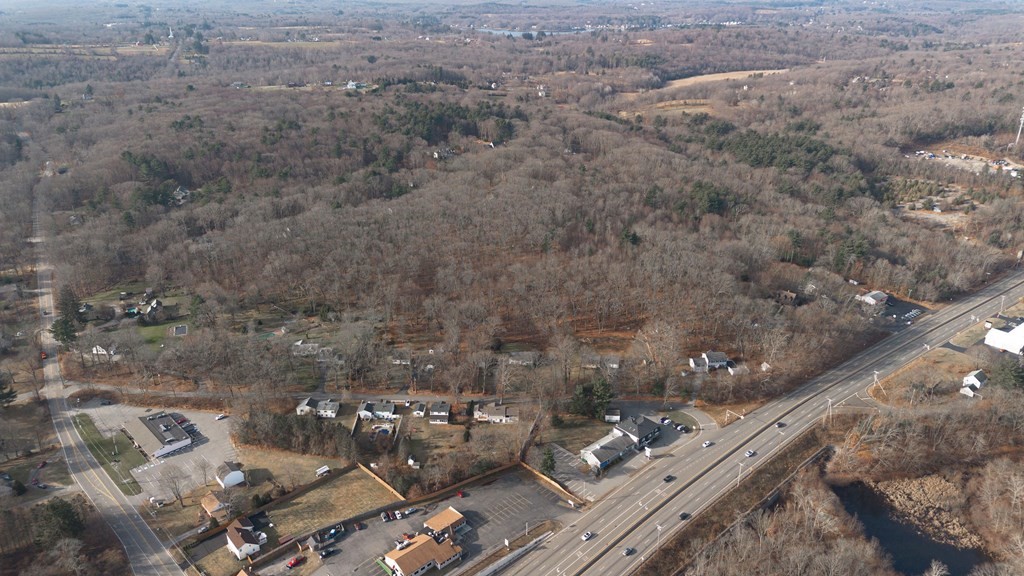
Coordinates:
(912, 552)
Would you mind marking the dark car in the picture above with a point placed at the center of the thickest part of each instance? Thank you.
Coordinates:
(327, 552)
(684, 515)
(669, 478)
(780, 424)
(41, 464)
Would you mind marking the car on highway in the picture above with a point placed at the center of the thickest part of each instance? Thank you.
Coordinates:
(707, 443)
(587, 536)
(780, 424)
(750, 453)
(669, 478)
(684, 516)
(627, 551)
(294, 562)
(221, 416)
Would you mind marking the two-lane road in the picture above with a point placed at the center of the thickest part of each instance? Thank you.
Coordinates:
(645, 512)
(146, 553)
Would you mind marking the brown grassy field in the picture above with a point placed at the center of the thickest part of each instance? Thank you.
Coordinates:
(934, 377)
(575, 434)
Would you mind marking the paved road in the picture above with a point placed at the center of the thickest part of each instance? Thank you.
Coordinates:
(647, 510)
(145, 552)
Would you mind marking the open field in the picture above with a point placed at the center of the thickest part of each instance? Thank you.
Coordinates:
(116, 455)
(348, 495)
(934, 377)
(737, 75)
(725, 414)
(575, 434)
(287, 468)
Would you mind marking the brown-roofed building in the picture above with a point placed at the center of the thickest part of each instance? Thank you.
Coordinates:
(423, 554)
(215, 505)
(447, 521)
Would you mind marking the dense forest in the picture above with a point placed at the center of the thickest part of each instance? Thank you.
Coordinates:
(469, 189)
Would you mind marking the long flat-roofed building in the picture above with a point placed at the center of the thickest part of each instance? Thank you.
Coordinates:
(157, 434)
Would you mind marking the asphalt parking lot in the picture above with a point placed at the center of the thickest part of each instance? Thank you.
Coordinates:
(212, 445)
(495, 511)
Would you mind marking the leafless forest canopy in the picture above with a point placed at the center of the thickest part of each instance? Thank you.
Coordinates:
(563, 185)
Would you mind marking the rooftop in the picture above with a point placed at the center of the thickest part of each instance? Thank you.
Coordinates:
(421, 552)
(443, 519)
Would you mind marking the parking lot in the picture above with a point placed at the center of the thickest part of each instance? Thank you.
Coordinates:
(501, 509)
(211, 446)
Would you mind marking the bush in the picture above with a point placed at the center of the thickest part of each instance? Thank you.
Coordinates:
(557, 421)
(19, 488)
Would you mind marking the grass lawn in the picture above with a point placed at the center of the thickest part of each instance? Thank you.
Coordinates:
(154, 335)
(54, 473)
(935, 377)
(172, 519)
(118, 466)
(348, 495)
(576, 433)
(221, 563)
(287, 468)
(680, 417)
(970, 336)
(725, 414)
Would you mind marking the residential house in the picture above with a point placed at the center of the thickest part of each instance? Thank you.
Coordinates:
(321, 408)
(873, 298)
(496, 413)
(611, 362)
(243, 541)
(641, 430)
(1006, 340)
(612, 415)
(215, 505)
(323, 538)
(230, 474)
(384, 410)
(608, 450)
(698, 364)
(973, 382)
(365, 410)
(305, 349)
(590, 361)
(447, 521)
(422, 554)
(715, 360)
(419, 410)
(440, 412)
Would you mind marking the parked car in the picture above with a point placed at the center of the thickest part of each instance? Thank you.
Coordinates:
(750, 453)
(384, 516)
(411, 511)
(681, 428)
(42, 486)
(398, 514)
(327, 552)
(460, 494)
(357, 525)
(707, 443)
(221, 416)
(587, 536)
(204, 529)
(295, 562)
(181, 421)
(664, 420)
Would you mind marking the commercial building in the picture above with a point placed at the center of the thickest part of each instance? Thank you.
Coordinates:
(424, 553)
(157, 434)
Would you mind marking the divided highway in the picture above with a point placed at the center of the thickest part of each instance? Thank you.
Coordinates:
(146, 553)
(646, 511)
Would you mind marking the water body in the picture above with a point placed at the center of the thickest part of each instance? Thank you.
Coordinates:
(912, 552)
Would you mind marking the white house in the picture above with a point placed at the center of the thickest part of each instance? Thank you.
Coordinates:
(496, 413)
(230, 474)
(242, 540)
(1009, 341)
(873, 298)
(698, 364)
(973, 382)
(420, 410)
(322, 408)
(440, 412)
(365, 411)
(738, 369)
(384, 411)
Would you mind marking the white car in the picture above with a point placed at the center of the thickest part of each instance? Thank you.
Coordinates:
(587, 536)
(750, 453)
(707, 443)
(221, 416)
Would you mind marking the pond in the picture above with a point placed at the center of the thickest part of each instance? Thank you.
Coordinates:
(912, 552)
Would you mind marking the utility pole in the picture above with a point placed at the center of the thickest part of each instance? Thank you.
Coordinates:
(879, 384)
